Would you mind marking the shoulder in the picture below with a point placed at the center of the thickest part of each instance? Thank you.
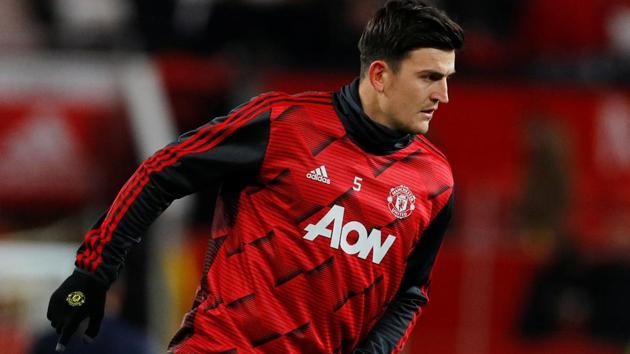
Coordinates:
(439, 161)
(430, 148)
(280, 102)
(279, 98)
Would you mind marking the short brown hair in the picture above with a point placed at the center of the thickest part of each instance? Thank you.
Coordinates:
(402, 26)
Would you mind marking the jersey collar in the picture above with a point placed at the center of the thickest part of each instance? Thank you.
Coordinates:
(369, 135)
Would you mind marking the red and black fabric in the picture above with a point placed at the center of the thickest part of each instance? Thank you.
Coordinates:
(225, 148)
(266, 287)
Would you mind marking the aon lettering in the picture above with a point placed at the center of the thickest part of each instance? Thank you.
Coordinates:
(338, 236)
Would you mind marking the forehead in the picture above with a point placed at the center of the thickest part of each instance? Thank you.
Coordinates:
(421, 59)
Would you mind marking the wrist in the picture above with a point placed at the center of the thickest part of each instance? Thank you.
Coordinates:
(89, 278)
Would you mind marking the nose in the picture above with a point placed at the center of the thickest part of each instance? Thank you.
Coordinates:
(440, 92)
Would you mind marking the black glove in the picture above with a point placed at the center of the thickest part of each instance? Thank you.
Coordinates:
(80, 296)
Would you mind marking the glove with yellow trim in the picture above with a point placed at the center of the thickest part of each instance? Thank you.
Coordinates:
(79, 297)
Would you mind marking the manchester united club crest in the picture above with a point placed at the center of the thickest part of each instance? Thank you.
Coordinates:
(401, 201)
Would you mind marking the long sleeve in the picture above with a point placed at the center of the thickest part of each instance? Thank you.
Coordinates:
(228, 147)
(393, 329)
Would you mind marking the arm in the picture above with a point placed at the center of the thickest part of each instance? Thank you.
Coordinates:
(227, 147)
(392, 331)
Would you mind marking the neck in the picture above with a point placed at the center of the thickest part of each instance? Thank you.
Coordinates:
(364, 131)
(370, 103)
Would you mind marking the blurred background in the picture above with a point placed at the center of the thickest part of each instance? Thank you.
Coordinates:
(537, 132)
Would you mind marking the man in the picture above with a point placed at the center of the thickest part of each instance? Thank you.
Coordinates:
(331, 207)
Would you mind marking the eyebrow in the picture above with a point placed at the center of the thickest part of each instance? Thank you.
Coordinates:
(433, 72)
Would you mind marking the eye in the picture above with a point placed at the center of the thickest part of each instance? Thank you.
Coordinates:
(432, 76)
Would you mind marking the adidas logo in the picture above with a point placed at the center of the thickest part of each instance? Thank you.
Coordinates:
(319, 174)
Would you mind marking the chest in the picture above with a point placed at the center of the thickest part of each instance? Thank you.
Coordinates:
(328, 180)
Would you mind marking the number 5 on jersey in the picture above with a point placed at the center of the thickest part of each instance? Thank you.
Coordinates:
(357, 183)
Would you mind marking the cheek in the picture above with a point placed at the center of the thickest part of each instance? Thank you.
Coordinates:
(411, 99)
(414, 91)
(406, 100)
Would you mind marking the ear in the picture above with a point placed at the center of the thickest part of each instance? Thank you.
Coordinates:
(377, 73)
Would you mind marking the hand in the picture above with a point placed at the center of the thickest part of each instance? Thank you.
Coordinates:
(79, 297)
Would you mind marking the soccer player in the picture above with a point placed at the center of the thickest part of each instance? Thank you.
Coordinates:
(331, 207)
